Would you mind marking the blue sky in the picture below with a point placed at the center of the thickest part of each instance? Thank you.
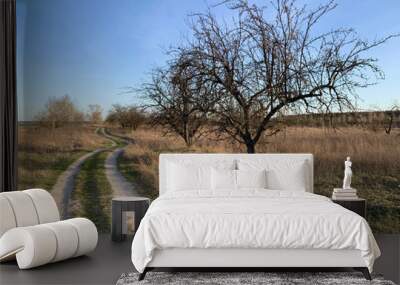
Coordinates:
(90, 49)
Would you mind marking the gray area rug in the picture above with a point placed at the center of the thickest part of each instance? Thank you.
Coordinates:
(228, 278)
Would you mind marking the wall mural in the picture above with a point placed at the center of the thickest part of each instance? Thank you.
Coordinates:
(104, 89)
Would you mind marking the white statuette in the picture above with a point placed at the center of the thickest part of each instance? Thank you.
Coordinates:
(347, 174)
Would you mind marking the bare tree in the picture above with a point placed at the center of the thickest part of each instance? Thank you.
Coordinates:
(59, 111)
(126, 116)
(95, 113)
(260, 66)
(390, 117)
(178, 99)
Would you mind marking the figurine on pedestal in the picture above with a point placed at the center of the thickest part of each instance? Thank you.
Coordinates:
(346, 193)
(347, 174)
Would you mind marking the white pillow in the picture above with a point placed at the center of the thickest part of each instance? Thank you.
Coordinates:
(223, 179)
(251, 178)
(181, 177)
(290, 175)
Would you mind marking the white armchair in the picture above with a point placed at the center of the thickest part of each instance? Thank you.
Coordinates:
(31, 230)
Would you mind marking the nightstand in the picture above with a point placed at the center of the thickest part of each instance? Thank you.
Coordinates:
(127, 212)
(357, 205)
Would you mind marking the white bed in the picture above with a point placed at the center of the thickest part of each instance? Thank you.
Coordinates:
(282, 224)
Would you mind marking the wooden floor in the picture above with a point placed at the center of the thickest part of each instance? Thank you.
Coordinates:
(110, 260)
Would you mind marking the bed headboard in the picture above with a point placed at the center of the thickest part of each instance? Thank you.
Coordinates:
(214, 157)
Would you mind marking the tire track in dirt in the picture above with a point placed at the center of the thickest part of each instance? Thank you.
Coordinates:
(120, 185)
(62, 189)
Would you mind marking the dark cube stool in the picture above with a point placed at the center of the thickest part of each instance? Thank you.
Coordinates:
(120, 205)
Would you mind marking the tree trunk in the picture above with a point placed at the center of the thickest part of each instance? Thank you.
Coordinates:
(188, 141)
(186, 135)
(251, 147)
(389, 128)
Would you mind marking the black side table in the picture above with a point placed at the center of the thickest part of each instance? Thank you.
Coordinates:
(121, 208)
(357, 205)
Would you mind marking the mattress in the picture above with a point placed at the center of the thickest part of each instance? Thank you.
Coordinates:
(250, 219)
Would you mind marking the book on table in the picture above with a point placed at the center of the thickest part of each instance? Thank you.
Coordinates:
(344, 194)
(335, 197)
(341, 190)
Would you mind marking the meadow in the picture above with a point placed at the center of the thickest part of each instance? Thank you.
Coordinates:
(375, 156)
(92, 195)
(44, 153)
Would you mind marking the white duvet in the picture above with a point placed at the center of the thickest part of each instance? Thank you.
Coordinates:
(250, 219)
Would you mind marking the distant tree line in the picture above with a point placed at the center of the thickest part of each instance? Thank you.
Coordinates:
(190, 121)
(238, 78)
(374, 120)
(61, 111)
(126, 116)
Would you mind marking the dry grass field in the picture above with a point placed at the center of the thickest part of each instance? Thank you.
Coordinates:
(375, 156)
(44, 153)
